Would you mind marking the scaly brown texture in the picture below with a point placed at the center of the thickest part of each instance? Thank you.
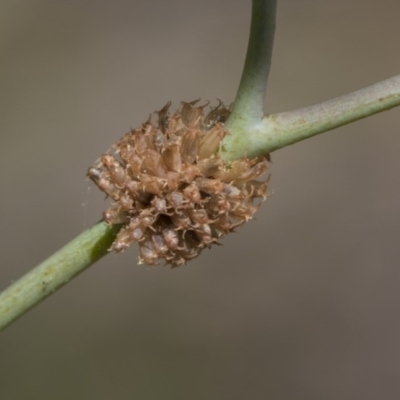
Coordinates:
(171, 190)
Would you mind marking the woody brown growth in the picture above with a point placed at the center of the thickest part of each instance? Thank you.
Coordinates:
(171, 190)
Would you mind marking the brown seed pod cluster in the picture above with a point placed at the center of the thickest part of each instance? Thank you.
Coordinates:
(171, 191)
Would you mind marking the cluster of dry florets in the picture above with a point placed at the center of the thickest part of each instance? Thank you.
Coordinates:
(171, 191)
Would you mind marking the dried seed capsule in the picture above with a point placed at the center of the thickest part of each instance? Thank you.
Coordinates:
(233, 171)
(181, 221)
(125, 150)
(122, 241)
(171, 238)
(233, 193)
(175, 125)
(163, 118)
(104, 183)
(94, 174)
(243, 210)
(191, 115)
(199, 216)
(256, 188)
(218, 114)
(141, 142)
(137, 234)
(189, 145)
(209, 167)
(126, 202)
(113, 216)
(159, 244)
(172, 157)
(175, 200)
(134, 166)
(205, 234)
(152, 184)
(147, 253)
(210, 142)
(173, 180)
(192, 193)
(210, 186)
(190, 173)
(223, 224)
(160, 205)
(154, 164)
(147, 219)
(188, 252)
(218, 205)
(252, 173)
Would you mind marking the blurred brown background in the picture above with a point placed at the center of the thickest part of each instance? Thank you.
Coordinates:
(302, 303)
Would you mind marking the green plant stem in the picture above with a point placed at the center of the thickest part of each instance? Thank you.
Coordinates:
(249, 102)
(254, 134)
(56, 271)
(275, 131)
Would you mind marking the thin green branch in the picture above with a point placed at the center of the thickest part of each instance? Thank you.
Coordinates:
(279, 130)
(249, 103)
(56, 271)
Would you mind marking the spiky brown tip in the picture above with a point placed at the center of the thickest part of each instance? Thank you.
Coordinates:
(171, 190)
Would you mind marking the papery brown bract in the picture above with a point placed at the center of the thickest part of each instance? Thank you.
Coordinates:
(171, 191)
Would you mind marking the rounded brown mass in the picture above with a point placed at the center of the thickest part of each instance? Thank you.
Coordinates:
(171, 190)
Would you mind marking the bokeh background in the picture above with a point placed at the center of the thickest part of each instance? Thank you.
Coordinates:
(302, 303)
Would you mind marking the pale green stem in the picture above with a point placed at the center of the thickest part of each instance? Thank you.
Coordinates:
(275, 131)
(249, 103)
(56, 271)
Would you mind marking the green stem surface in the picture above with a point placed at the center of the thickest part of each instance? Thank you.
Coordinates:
(275, 131)
(249, 102)
(56, 271)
